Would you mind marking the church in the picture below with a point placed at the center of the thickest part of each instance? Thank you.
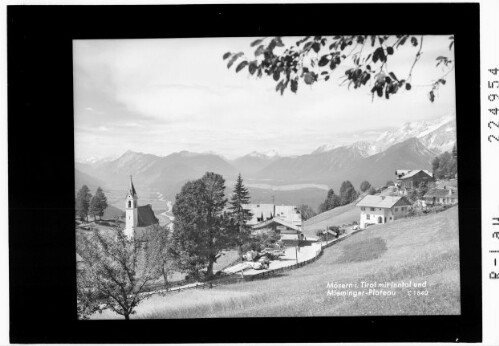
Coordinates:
(138, 218)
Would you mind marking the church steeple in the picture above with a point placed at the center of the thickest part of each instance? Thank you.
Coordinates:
(131, 210)
(132, 188)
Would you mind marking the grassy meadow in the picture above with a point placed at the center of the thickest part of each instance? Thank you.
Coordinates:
(414, 249)
(346, 214)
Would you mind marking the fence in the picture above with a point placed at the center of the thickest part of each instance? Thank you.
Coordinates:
(335, 241)
(227, 280)
(265, 274)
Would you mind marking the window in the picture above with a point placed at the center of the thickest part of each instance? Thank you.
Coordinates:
(372, 209)
(390, 217)
(368, 216)
(396, 209)
(129, 204)
(362, 208)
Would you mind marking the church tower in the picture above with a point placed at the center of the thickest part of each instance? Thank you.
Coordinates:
(131, 211)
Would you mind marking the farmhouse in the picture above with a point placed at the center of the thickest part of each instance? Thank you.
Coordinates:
(138, 218)
(263, 212)
(382, 209)
(410, 179)
(286, 230)
(445, 196)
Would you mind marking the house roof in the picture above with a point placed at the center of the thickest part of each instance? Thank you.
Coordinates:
(411, 173)
(278, 221)
(402, 171)
(145, 216)
(440, 193)
(382, 201)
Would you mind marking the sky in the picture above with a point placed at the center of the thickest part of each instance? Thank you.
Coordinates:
(161, 96)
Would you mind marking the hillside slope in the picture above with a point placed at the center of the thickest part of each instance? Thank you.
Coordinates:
(86, 179)
(345, 214)
(415, 249)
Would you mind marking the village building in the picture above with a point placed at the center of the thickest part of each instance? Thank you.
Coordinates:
(407, 179)
(382, 209)
(263, 212)
(445, 196)
(138, 219)
(284, 229)
(285, 220)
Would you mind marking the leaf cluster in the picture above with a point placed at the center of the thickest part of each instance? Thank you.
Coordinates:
(315, 58)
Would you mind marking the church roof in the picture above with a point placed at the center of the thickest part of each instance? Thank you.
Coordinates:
(145, 216)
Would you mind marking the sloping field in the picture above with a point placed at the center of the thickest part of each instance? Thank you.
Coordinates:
(422, 249)
(345, 214)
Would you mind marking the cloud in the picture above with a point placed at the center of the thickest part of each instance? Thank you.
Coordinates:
(168, 95)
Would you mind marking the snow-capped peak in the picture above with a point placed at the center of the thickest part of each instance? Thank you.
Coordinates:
(437, 134)
(96, 159)
(365, 148)
(269, 154)
(325, 147)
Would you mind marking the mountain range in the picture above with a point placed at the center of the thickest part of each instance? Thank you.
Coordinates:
(412, 146)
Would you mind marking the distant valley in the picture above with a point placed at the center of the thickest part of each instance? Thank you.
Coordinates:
(287, 180)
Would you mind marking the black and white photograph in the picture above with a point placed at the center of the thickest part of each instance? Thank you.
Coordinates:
(289, 176)
(251, 173)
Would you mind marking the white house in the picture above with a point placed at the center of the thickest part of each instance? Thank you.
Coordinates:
(382, 209)
(445, 196)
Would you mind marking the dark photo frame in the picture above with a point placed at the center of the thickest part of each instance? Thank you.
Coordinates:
(41, 165)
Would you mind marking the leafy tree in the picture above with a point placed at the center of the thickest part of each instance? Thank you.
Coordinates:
(98, 203)
(371, 191)
(364, 186)
(332, 201)
(240, 215)
(306, 212)
(158, 239)
(420, 191)
(82, 202)
(454, 151)
(444, 166)
(201, 230)
(347, 193)
(117, 269)
(315, 58)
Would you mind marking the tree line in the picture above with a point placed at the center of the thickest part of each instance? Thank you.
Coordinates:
(86, 204)
(347, 195)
